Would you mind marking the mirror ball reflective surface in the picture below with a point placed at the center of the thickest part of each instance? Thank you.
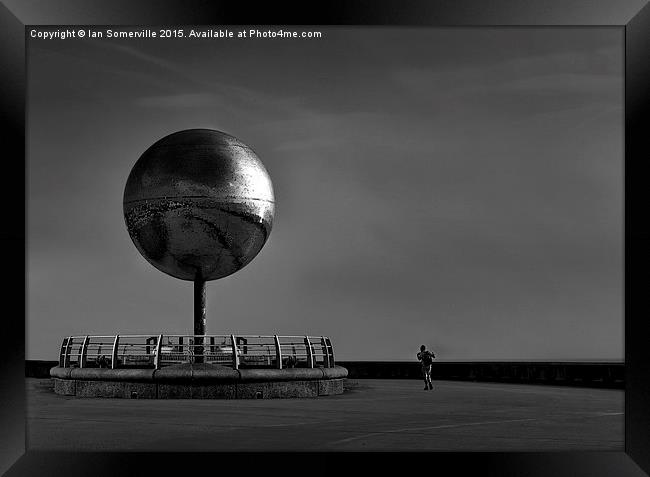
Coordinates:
(199, 204)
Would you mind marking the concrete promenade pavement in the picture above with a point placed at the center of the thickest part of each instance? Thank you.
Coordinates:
(372, 415)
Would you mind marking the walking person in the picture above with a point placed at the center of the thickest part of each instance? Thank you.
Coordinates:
(426, 357)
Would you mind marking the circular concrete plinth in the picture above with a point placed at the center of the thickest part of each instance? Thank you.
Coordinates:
(198, 381)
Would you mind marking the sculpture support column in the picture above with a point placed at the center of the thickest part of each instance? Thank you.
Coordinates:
(199, 318)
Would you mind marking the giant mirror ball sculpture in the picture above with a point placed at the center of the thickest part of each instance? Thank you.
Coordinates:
(199, 204)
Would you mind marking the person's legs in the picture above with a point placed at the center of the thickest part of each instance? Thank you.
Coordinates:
(426, 372)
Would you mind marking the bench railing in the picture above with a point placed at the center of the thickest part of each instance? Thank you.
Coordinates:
(234, 351)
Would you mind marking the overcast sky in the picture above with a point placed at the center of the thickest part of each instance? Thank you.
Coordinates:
(461, 188)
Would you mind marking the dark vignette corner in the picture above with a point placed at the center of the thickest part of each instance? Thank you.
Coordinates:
(12, 238)
(637, 233)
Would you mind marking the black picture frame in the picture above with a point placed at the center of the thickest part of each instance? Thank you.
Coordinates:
(631, 15)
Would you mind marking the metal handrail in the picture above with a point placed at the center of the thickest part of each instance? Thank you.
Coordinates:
(228, 350)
